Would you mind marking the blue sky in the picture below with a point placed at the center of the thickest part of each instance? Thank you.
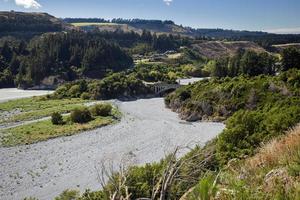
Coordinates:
(272, 15)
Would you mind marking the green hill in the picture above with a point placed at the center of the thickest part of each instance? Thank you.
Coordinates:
(28, 24)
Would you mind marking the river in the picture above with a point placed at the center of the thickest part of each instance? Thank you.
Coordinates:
(147, 132)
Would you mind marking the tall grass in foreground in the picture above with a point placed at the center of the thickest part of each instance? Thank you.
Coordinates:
(273, 173)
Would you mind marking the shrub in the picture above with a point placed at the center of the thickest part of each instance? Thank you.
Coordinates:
(74, 91)
(101, 110)
(81, 115)
(61, 92)
(57, 119)
(85, 96)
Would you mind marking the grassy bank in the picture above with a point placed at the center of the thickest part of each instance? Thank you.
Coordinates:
(273, 173)
(37, 107)
(44, 130)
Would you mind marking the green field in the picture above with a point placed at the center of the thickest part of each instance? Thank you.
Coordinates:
(44, 130)
(38, 107)
(93, 24)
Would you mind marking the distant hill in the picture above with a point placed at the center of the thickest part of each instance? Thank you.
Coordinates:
(280, 47)
(157, 26)
(28, 24)
(169, 27)
(217, 49)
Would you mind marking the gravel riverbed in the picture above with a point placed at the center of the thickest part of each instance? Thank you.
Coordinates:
(147, 132)
(7, 94)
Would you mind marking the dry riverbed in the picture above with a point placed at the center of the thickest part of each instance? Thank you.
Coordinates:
(146, 132)
(14, 93)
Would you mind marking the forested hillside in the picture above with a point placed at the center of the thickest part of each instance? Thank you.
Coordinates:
(65, 56)
(27, 25)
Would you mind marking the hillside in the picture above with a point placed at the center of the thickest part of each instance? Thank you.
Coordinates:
(281, 47)
(217, 49)
(159, 27)
(136, 27)
(52, 57)
(26, 24)
(156, 26)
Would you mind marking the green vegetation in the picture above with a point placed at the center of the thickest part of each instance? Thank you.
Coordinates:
(57, 119)
(188, 64)
(245, 62)
(273, 173)
(79, 120)
(63, 57)
(206, 188)
(257, 109)
(251, 159)
(28, 23)
(101, 109)
(290, 58)
(38, 107)
(80, 115)
(44, 130)
(117, 85)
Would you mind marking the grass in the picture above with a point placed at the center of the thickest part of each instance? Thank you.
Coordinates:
(93, 24)
(273, 172)
(44, 130)
(281, 151)
(174, 56)
(38, 107)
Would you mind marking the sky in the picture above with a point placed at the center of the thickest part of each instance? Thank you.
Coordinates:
(279, 16)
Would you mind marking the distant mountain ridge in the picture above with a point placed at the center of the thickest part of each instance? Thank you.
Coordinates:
(264, 39)
(159, 26)
(29, 24)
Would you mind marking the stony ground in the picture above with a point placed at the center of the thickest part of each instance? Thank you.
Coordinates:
(146, 132)
(14, 93)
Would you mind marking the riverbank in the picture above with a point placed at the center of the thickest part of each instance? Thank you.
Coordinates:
(147, 132)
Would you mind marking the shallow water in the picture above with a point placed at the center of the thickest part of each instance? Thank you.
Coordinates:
(147, 132)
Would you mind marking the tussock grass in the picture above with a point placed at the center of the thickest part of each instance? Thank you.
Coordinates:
(272, 173)
(279, 151)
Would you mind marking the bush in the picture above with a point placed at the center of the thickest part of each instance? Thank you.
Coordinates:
(56, 119)
(74, 91)
(101, 110)
(81, 115)
(85, 96)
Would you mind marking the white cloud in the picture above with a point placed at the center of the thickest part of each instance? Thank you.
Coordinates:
(168, 2)
(28, 4)
(285, 30)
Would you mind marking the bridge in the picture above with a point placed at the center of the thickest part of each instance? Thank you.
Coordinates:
(160, 88)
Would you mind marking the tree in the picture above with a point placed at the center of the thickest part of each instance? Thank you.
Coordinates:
(219, 67)
(290, 58)
(6, 52)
